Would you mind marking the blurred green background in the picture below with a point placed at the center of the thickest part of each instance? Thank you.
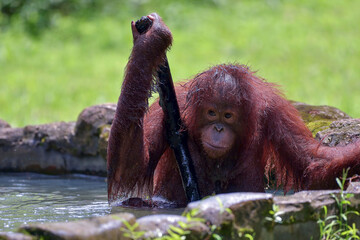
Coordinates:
(59, 56)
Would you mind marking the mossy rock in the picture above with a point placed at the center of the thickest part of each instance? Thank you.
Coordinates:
(319, 118)
(317, 126)
(311, 113)
(340, 133)
(89, 127)
(104, 140)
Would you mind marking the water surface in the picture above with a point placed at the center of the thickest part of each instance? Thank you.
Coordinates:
(27, 198)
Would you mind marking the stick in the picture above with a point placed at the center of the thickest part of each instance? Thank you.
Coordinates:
(176, 136)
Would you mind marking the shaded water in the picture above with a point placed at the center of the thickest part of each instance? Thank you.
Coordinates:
(27, 198)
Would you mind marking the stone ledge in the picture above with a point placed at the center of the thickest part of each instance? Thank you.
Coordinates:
(107, 227)
(59, 148)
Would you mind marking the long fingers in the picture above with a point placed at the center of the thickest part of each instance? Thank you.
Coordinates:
(135, 32)
(153, 16)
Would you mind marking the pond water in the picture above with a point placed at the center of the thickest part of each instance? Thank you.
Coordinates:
(27, 198)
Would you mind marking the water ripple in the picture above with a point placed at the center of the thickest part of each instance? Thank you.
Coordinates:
(28, 198)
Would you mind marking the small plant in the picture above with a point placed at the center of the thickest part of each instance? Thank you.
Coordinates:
(336, 226)
(246, 234)
(131, 232)
(274, 217)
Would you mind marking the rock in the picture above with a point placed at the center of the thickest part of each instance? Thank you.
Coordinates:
(304, 205)
(4, 124)
(107, 227)
(156, 226)
(235, 212)
(311, 113)
(340, 133)
(45, 148)
(354, 187)
(55, 136)
(14, 236)
(298, 214)
(318, 118)
(104, 140)
(59, 148)
(89, 127)
(10, 137)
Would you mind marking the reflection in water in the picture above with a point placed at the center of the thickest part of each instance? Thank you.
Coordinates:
(28, 198)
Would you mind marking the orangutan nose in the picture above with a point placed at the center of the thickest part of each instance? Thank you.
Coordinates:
(219, 127)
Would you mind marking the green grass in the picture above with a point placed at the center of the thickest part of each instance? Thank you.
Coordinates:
(311, 48)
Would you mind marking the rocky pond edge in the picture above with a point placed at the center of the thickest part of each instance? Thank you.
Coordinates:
(231, 216)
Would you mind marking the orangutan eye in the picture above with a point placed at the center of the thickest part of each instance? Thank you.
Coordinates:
(211, 113)
(228, 115)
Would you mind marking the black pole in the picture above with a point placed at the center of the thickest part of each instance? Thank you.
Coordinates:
(176, 136)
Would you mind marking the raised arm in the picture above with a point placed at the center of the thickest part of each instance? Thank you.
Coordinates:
(128, 151)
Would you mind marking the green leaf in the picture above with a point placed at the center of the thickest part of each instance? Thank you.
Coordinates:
(325, 210)
(249, 236)
(177, 230)
(349, 195)
(339, 183)
(183, 224)
(330, 218)
(216, 236)
(213, 228)
(228, 210)
(352, 212)
(173, 235)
